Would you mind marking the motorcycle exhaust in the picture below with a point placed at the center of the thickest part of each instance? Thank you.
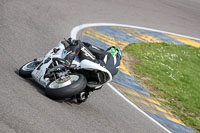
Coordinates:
(82, 95)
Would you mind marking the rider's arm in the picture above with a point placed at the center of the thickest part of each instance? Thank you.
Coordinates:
(99, 53)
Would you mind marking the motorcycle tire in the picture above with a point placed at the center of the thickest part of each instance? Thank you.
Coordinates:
(66, 91)
(26, 70)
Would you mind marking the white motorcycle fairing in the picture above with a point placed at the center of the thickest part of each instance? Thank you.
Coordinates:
(39, 72)
(59, 51)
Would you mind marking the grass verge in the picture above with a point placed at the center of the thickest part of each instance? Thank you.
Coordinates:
(173, 72)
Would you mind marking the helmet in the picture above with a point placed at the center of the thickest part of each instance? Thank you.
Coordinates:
(115, 51)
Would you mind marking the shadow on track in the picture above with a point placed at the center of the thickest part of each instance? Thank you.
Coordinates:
(41, 90)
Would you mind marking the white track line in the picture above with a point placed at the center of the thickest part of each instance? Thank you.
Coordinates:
(75, 31)
(135, 106)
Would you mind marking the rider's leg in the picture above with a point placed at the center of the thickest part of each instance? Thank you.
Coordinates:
(84, 51)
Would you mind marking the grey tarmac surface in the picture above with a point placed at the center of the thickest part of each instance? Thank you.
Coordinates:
(28, 29)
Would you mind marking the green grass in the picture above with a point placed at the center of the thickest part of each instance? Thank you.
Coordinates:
(174, 72)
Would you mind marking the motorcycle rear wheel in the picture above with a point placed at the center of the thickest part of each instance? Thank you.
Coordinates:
(56, 90)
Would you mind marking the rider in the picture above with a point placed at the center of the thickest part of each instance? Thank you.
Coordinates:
(110, 58)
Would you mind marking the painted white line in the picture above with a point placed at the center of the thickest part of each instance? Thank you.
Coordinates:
(75, 31)
(145, 114)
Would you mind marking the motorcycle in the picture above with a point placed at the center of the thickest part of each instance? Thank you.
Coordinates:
(62, 81)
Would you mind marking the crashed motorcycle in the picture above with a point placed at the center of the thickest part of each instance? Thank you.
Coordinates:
(62, 81)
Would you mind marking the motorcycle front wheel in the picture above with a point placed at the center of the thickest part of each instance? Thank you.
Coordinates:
(73, 86)
(26, 70)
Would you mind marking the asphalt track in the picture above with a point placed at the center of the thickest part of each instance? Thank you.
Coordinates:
(29, 29)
